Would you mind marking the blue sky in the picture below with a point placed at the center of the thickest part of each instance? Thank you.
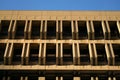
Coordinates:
(59, 4)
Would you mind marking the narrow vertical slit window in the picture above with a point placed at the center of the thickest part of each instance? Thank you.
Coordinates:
(35, 32)
(51, 29)
(84, 54)
(67, 54)
(67, 31)
(4, 29)
(20, 26)
(17, 51)
(2, 51)
(82, 30)
(98, 30)
(116, 49)
(114, 30)
(33, 56)
(101, 54)
(50, 54)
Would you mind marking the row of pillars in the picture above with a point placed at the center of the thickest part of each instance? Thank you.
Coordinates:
(61, 78)
(59, 29)
(25, 55)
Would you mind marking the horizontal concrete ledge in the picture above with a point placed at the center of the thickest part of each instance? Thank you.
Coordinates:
(58, 41)
(61, 68)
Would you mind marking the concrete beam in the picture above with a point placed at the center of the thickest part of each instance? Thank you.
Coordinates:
(61, 54)
(92, 29)
(41, 78)
(74, 54)
(91, 53)
(41, 30)
(95, 54)
(40, 54)
(61, 30)
(104, 28)
(89, 30)
(76, 78)
(7, 49)
(44, 54)
(24, 49)
(76, 26)
(57, 54)
(108, 29)
(118, 27)
(45, 31)
(14, 30)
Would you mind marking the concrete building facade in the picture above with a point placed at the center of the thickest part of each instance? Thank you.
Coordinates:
(59, 45)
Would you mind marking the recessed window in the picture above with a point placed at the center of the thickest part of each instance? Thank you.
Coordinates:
(50, 54)
(101, 54)
(17, 51)
(34, 51)
(2, 51)
(20, 26)
(4, 29)
(35, 32)
(82, 30)
(84, 54)
(67, 31)
(98, 30)
(67, 54)
(51, 29)
(33, 78)
(114, 30)
(67, 77)
(116, 49)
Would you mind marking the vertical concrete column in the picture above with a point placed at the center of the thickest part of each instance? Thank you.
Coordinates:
(10, 29)
(45, 32)
(26, 29)
(41, 78)
(92, 78)
(78, 54)
(118, 26)
(57, 53)
(44, 54)
(26, 78)
(73, 29)
(96, 78)
(76, 78)
(14, 30)
(112, 54)
(74, 54)
(40, 54)
(41, 30)
(29, 29)
(0, 25)
(61, 30)
(57, 35)
(27, 53)
(104, 28)
(24, 49)
(108, 53)
(10, 56)
(108, 29)
(114, 78)
(89, 30)
(109, 78)
(6, 53)
(92, 29)
(76, 26)
(61, 53)
(91, 50)
(95, 54)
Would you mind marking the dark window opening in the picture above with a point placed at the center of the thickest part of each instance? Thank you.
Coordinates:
(2, 51)
(98, 30)
(116, 49)
(103, 77)
(114, 30)
(118, 78)
(17, 51)
(67, 31)
(85, 77)
(82, 30)
(67, 54)
(68, 77)
(50, 54)
(84, 54)
(34, 51)
(35, 32)
(101, 54)
(20, 25)
(15, 77)
(33, 78)
(50, 77)
(4, 29)
(51, 29)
